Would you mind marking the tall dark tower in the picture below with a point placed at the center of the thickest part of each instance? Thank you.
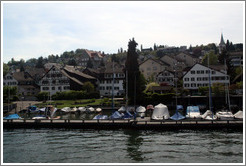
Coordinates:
(222, 44)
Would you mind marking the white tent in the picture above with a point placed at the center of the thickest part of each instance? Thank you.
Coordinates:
(160, 112)
(239, 115)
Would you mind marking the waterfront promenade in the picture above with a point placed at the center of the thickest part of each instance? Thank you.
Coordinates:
(138, 124)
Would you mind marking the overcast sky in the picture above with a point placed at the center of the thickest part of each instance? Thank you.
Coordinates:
(31, 30)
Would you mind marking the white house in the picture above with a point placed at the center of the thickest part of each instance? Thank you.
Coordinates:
(54, 81)
(106, 82)
(198, 76)
(9, 80)
(166, 77)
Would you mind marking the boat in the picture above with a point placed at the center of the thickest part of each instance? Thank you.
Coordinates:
(208, 115)
(101, 117)
(225, 115)
(116, 115)
(149, 110)
(193, 112)
(160, 112)
(127, 115)
(73, 110)
(178, 115)
(90, 110)
(40, 117)
(32, 109)
(238, 115)
(81, 109)
(65, 110)
(122, 109)
(98, 110)
(141, 111)
(12, 116)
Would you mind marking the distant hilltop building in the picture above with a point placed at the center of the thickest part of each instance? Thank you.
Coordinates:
(222, 44)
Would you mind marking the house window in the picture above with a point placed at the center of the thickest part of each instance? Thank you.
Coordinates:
(45, 88)
(198, 71)
(192, 72)
(213, 72)
(53, 88)
(186, 79)
(193, 85)
(202, 71)
(192, 79)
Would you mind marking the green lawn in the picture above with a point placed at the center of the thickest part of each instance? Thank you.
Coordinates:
(71, 103)
(77, 103)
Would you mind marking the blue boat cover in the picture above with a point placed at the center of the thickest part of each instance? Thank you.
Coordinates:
(127, 115)
(180, 107)
(192, 109)
(101, 117)
(32, 108)
(12, 116)
(116, 115)
(177, 116)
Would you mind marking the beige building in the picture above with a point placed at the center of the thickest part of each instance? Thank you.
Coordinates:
(151, 67)
(187, 59)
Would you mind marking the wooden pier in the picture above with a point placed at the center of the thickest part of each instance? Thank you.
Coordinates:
(138, 124)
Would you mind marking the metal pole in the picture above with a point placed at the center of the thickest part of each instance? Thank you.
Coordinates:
(135, 91)
(113, 89)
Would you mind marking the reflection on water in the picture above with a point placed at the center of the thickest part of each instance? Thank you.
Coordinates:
(134, 142)
(121, 146)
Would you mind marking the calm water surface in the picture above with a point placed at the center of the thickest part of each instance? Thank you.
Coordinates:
(121, 146)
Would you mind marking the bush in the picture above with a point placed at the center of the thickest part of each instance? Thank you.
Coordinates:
(74, 95)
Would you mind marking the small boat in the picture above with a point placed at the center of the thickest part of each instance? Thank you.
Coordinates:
(225, 115)
(81, 109)
(98, 110)
(141, 111)
(73, 110)
(238, 115)
(178, 115)
(193, 112)
(90, 110)
(122, 109)
(208, 115)
(65, 110)
(160, 112)
(116, 115)
(127, 115)
(12, 116)
(40, 117)
(32, 109)
(99, 116)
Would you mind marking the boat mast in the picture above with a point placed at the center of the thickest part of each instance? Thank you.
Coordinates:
(126, 88)
(210, 93)
(176, 88)
(113, 89)
(227, 91)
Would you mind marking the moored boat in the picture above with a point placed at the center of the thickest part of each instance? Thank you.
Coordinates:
(160, 112)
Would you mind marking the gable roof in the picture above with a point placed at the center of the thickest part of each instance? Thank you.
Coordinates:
(159, 61)
(213, 67)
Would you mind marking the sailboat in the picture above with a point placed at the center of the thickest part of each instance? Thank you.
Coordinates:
(225, 114)
(209, 115)
(177, 115)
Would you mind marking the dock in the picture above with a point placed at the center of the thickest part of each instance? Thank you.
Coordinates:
(138, 124)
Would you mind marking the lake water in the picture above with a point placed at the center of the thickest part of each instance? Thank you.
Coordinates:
(121, 146)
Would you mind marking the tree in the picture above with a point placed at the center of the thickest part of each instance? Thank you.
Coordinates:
(40, 62)
(135, 81)
(72, 62)
(88, 87)
(223, 56)
(5, 69)
(213, 59)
